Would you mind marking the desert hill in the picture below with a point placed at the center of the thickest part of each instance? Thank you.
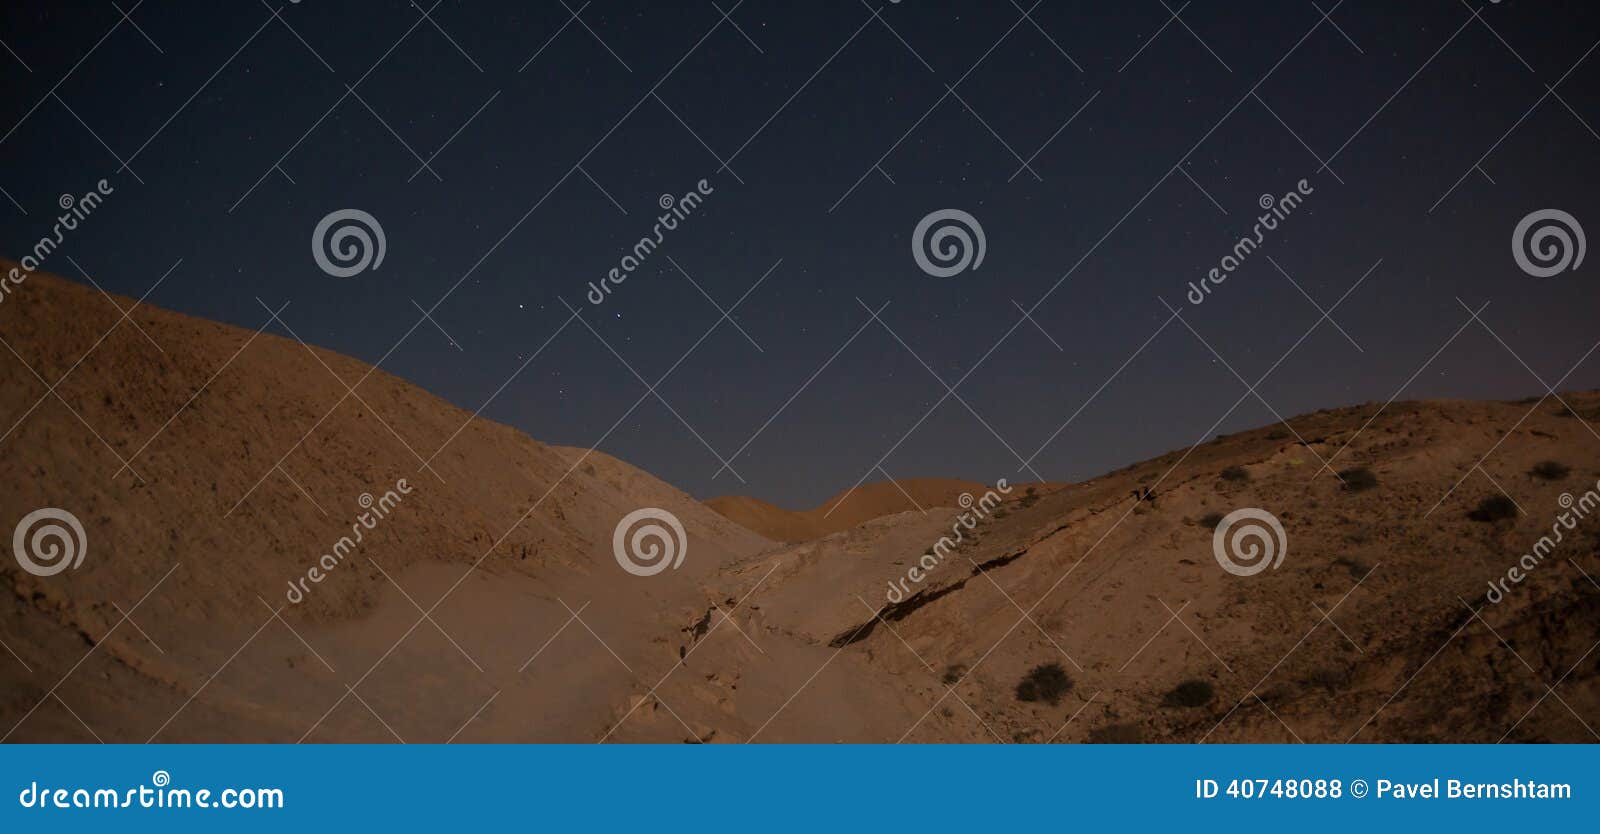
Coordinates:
(249, 458)
(487, 605)
(1143, 637)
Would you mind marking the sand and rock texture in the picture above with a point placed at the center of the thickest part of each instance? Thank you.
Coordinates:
(487, 604)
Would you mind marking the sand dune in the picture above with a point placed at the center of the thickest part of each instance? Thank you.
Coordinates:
(250, 456)
(844, 510)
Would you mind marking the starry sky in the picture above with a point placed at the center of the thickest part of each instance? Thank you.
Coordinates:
(1112, 153)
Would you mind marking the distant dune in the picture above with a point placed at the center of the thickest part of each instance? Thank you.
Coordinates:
(846, 509)
(487, 604)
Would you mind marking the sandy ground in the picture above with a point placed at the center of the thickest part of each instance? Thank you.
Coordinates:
(487, 605)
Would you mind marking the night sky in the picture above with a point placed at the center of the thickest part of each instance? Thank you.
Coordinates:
(552, 140)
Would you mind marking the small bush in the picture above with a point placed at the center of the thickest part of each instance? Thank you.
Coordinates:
(1211, 520)
(1328, 678)
(1360, 479)
(1235, 473)
(954, 673)
(1494, 508)
(1045, 683)
(1550, 470)
(1029, 498)
(1193, 693)
(1356, 567)
(1117, 734)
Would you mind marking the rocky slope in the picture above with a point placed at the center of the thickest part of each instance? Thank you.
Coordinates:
(1112, 586)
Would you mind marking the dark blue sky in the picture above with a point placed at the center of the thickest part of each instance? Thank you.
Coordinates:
(1402, 101)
